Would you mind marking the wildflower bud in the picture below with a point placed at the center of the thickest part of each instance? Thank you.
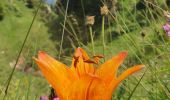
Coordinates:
(143, 34)
(167, 15)
(90, 20)
(104, 10)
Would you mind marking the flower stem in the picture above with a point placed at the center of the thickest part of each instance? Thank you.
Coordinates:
(103, 33)
(91, 36)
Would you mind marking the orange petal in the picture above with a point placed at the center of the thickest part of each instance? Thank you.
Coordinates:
(80, 67)
(50, 75)
(84, 68)
(78, 90)
(57, 74)
(90, 69)
(108, 70)
(87, 87)
(98, 90)
(81, 53)
(129, 71)
(124, 75)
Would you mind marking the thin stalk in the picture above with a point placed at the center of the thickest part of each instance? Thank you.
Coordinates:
(17, 91)
(19, 54)
(103, 37)
(82, 5)
(134, 89)
(62, 37)
(70, 24)
(28, 90)
(92, 41)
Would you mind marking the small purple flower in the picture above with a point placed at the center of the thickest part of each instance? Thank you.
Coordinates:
(47, 98)
(43, 98)
(168, 34)
(56, 98)
(166, 27)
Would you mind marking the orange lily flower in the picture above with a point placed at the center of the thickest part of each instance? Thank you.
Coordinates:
(83, 81)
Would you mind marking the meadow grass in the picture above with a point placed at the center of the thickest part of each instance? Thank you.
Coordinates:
(13, 30)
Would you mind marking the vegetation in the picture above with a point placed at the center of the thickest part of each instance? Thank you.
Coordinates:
(135, 26)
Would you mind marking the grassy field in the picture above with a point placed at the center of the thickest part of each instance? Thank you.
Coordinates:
(14, 26)
(139, 32)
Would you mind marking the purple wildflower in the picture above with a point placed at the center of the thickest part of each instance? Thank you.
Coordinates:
(47, 98)
(168, 34)
(56, 98)
(166, 27)
(43, 98)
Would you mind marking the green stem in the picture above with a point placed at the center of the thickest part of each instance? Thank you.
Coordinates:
(91, 36)
(20, 51)
(103, 37)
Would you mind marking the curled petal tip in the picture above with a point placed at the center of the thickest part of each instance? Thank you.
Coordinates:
(124, 53)
(34, 58)
(130, 71)
(142, 66)
(41, 52)
(139, 67)
(79, 48)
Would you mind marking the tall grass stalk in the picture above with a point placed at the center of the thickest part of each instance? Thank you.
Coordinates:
(62, 37)
(130, 96)
(17, 92)
(103, 35)
(19, 54)
(70, 24)
(92, 41)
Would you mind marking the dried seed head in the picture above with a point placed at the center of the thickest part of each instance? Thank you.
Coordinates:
(104, 10)
(167, 15)
(90, 20)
